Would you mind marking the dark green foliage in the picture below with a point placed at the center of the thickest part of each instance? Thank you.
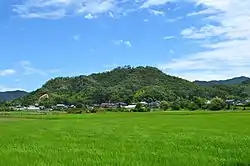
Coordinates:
(192, 106)
(165, 105)
(140, 108)
(94, 110)
(75, 111)
(200, 103)
(124, 84)
(175, 105)
(247, 104)
(128, 84)
(217, 104)
(5, 109)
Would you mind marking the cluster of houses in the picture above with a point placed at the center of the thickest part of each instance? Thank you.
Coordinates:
(36, 107)
(237, 102)
(155, 104)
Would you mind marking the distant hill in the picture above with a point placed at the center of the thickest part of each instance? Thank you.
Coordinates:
(123, 84)
(12, 95)
(233, 81)
(130, 84)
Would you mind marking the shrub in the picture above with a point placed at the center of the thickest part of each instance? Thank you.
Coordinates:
(140, 108)
(165, 105)
(110, 110)
(121, 109)
(6, 109)
(192, 106)
(217, 104)
(94, 110)
(75, 111)
(175, 106)
(247, 104)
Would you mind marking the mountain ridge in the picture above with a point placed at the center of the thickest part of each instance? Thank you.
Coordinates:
(231, 81)
(12, 95)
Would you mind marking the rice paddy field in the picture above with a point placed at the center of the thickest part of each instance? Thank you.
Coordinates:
(126, 139)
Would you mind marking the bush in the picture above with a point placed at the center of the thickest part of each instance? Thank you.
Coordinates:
(110, 110)
(94, 110)
(165, 105)
(192, 106)
(6, 109)
(140, 108)
(175, 106)
(75, 111)
(121, 109)
(247, 104)
(217, 104)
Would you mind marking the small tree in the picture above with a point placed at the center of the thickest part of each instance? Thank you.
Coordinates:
(165, 105)
(200, 102)
(175, 106)
(138, 108)
(217, 104)
(192, 106)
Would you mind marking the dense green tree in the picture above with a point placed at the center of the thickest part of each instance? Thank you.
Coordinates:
(192, 106)
(165, 105)
(217, 104)
(175, 105)
(200, 102)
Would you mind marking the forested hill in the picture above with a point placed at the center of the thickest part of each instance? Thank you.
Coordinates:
(11, 95)
(233, 81)
(123, 84)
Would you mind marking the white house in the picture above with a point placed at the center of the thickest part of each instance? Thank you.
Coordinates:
(130, 106)
(33, 108)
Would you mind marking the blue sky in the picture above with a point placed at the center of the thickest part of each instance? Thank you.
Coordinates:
(192, 39)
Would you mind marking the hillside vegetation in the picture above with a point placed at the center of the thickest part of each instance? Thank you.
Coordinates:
(127, 84)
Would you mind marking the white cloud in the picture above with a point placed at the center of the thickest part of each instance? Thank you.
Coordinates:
(125, 42)
(157, 12)
(97, 6)
(150, 3)
(90, 16)
(90, 9)
(226, 50)
(203, 12)
(111, 15)
(170, 20)
(53, 9)
(168, 37)
(145, 20)
(7, 72)
(206, 31)
(44, 15)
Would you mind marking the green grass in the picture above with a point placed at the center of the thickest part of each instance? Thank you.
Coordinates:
(126, 139)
